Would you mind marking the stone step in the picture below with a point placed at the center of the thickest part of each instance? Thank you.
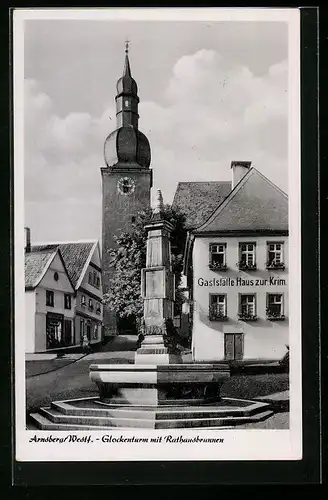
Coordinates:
(158, 413)
(40, 422)
(107, 421)
(43, 423)
(57, 417)
(227, 407)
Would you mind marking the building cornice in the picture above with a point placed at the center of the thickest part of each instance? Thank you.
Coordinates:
(253, 232)
(125, 170)
(90, 294)
(87, 316)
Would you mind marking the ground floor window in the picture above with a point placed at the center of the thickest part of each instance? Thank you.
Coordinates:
(95, 331)
(83, 330)
(233, 346)
(59, 331)
(89, 330)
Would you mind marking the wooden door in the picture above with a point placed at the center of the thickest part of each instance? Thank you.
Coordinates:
(67, 338)
(89, 331)
(233, 346)
(239, 346)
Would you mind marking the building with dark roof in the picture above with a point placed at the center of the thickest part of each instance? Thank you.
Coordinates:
(49, 301)
(236, 264)
(82, 264)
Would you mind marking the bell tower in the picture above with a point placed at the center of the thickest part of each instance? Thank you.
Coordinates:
(126, 178)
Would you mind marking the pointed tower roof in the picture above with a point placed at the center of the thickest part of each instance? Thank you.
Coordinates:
(127, 69)
(255, 204)
(127, 146)
(126, 84)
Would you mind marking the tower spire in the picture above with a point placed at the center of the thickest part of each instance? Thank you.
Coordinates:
(127, 69)
(127, 96)
(127, 145)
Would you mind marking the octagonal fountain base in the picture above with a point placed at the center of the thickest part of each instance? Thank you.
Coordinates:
(153, 397)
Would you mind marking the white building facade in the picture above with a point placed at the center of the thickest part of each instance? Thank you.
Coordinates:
(237, 272)
(49, 303)
(240, 312)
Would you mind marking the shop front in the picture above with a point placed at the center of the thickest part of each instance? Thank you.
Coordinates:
(59, 331)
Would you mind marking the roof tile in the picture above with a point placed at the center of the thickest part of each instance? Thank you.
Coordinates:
(198, 200)
(75, 256)
(256, 204)
(35, 263)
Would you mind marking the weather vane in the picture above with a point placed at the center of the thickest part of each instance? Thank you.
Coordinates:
(127, 46)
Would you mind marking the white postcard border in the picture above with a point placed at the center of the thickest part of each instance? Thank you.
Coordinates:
(237, 444)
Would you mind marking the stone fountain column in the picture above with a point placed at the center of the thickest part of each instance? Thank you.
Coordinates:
(158, 378)
(157, 289)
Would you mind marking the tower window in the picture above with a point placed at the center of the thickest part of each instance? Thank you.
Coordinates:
(126, 103)
(133, 219)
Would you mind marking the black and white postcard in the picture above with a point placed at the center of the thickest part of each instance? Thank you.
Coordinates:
(157, 234)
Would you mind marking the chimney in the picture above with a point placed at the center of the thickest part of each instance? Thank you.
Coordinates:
(27, 239)
(239, 169)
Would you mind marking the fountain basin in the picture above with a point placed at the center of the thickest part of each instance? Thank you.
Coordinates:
(191, 384)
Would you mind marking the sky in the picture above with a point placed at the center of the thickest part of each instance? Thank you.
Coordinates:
(210, 93)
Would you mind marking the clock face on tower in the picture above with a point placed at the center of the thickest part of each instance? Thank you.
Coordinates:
(126, 185)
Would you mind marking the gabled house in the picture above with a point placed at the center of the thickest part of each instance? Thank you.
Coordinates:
(49, 301)
(83, 263)
(236, 264)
